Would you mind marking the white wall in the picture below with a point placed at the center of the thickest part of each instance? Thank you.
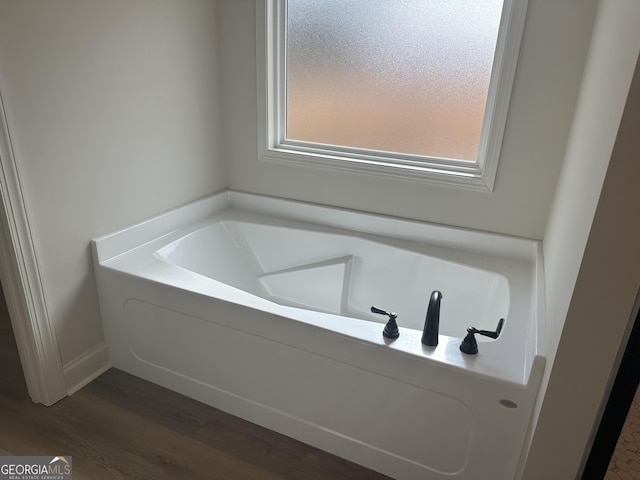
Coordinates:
(612, 59)
(113, 111)
(592, 260)
(553, 52)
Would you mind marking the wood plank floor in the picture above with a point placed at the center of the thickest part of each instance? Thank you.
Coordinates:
(122, 427)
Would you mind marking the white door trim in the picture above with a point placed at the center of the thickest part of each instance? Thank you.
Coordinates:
(22, 284)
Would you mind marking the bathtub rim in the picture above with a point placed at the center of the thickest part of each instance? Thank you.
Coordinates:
(132, 236)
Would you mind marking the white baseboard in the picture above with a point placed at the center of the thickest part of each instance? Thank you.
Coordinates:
(86, 367)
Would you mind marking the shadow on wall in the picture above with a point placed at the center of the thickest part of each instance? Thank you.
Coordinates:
(12, 383)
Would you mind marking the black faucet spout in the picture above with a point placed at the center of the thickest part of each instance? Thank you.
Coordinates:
(432, 322)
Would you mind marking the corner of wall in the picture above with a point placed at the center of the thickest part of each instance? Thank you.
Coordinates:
(567, 241)
(86, 367)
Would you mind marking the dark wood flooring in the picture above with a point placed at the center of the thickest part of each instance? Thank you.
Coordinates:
(122, 427)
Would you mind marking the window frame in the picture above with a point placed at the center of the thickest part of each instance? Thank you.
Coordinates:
(274, 147)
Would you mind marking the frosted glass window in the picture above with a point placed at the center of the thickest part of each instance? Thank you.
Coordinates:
(407, 76)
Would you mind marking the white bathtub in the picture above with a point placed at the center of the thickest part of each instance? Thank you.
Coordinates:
(261, 307)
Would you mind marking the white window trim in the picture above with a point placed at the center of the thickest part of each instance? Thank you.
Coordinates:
(479, 175)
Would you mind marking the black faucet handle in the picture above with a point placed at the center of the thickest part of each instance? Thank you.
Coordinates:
(469, 344)
(488, 333)
(391, 328)
(383, 312)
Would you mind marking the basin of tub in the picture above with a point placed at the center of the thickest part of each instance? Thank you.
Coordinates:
(341, 274)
